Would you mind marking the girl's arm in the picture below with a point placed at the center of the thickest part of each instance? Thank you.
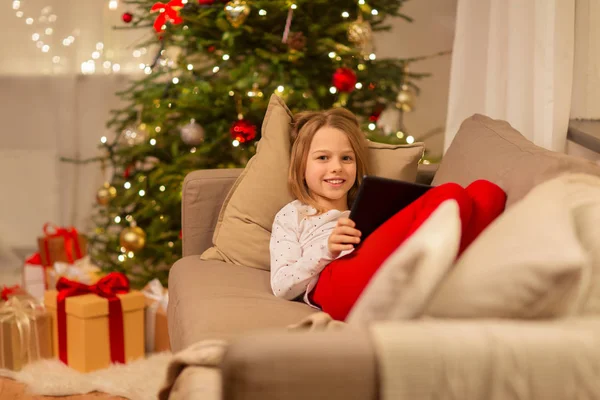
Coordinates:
(292, 267)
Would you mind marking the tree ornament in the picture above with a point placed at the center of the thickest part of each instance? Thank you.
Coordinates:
(133, 135)
(405, 100)
(127, 17)
(105, 194)
(376, 113)
(132, 238)
(390, 120)
(296, 41)
(167, 13)
(206, 2)
(128, 171)
(361, 34)
(192, 134)
(237, 11)
(243, 130)
(344, 79)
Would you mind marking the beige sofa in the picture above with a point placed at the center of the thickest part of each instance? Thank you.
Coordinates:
(214, 299)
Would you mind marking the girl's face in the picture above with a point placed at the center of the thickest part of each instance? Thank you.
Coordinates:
(330, 168)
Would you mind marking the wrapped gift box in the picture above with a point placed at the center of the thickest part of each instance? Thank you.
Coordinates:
(25, 332)
(61, 244)
(82, 270)
(87, 329)
(36, 276)
(157, 329)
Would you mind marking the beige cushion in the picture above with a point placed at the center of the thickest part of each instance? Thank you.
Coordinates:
(404, 283)
(484, 148)
(217, 300)
(243, 229)
(529, 263)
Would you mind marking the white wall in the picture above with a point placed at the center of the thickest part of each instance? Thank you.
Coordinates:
(432, 31)
(46, 116)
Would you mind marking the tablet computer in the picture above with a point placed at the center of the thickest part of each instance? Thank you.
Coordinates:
(378, 199)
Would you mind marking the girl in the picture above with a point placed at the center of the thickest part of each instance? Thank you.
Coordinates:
(313, 241)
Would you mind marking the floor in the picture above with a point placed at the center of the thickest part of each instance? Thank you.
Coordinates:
(13, 390)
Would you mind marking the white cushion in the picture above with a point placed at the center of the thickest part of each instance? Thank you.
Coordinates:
(402, 286)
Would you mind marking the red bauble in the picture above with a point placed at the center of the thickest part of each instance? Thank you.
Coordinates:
(127, 172)
(127, 17)
(375, 116)
(344, 79)
(206, 2)
(376, 113)
(211, 48)
(243, 130)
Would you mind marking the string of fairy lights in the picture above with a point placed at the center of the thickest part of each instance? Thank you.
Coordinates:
(43, 23)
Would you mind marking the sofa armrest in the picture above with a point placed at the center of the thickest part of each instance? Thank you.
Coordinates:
(202, 195)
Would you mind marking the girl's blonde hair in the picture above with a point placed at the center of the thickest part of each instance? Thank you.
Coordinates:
(305, 127)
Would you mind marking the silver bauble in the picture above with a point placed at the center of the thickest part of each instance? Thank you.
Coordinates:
(192, 134)
(390, 120)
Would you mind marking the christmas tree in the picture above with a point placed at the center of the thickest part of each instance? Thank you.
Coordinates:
(201, 102)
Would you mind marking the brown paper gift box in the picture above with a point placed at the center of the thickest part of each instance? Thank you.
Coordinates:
(57, 250)
(88, 346)
(161, 332)
(39, 345)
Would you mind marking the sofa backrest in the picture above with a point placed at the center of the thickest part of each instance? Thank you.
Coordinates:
(490, 149)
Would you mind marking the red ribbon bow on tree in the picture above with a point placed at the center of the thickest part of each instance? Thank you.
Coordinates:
(107, 287)
(71, 238)
(8, 291)
(168, 13)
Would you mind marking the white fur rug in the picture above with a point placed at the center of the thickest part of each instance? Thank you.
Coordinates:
(138, 380)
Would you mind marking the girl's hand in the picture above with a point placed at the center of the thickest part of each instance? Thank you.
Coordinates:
(343, 237)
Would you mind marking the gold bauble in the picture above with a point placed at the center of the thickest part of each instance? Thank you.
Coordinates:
(360, 32)
(405, 100)
(133, 238)
(237, 11)
(105, 194)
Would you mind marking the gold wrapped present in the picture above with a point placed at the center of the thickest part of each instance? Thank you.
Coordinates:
(25, 332)
(96, 325)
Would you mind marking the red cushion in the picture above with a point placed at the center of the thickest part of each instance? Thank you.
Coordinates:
(343, 280)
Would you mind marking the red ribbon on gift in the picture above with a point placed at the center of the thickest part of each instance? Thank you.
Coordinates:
(71, 241)
(36, 259)
(168, 12)
(9, 291)
(107, 287)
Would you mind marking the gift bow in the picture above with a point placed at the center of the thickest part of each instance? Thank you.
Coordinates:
(22, 312)
(107, 287)
(168, 12)
(71, 238)
(154, 290)
(9, 291)
(81, 270)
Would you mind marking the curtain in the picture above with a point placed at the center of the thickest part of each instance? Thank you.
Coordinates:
(513, 60)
